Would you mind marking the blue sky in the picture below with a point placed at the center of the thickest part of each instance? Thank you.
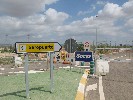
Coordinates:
(72, 7)
(58, 20)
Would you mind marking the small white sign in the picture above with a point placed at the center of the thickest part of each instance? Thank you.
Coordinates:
(86, 46)
(22, 48)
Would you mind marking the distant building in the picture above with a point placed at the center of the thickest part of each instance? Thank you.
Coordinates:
(70, 45)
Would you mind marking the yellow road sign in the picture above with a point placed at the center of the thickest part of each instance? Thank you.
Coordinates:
(37, 47)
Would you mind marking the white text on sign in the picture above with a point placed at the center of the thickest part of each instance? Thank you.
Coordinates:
(83, 56)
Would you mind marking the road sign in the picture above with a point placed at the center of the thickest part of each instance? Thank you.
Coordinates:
(86, 46)
(37, 47)
(83, 56)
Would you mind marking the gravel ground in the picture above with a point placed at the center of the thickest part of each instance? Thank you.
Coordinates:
(118, 84)
(37, 66)
(92, 94)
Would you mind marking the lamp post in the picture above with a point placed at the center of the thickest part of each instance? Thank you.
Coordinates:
(110, 44)
(6, 38)
(115, 44)
(126, 47)
(70, 45)
(132, 48)
(129, 51)
(28, 37)
(96, 38)
(95, 69)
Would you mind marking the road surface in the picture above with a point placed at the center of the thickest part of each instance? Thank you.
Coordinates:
(116, 85)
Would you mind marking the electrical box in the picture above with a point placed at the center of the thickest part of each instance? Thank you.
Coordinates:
(18, 61)
(102, 67)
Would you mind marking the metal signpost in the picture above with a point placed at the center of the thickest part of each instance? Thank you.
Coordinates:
(51, 71)
(26, 75)
(37, 47)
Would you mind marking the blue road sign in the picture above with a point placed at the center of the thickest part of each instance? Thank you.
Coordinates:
(83, 56)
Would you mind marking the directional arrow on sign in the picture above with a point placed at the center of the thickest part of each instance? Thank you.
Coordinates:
(57, 47)
(37, 47)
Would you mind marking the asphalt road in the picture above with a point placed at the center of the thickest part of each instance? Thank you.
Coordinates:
(116, 85)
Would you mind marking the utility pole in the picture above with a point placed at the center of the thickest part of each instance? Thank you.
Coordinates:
(115, 44)
(93, 47)
(126, 47)
(6, 39)
(70, 45)
(95, 59)
(132, 48)
(96, 41)
(110, 44)
(28, 37)
(70, 52)
(129, 51)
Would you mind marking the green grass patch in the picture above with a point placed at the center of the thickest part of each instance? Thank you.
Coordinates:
(65, 86)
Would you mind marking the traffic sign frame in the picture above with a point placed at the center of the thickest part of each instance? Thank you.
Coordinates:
(21, 51)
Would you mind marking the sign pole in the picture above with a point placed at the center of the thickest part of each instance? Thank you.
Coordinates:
(51, 71)
(26, 75)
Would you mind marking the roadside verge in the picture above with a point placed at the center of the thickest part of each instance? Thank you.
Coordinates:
(81, 89)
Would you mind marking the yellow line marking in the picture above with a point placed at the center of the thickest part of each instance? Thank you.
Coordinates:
(87, 71)
(83, 81)
(79, 96)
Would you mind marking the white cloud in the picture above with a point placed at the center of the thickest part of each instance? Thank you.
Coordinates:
(54, 17)
(84, 12)
(107, 24)
(38, 26)
(128, 8)
(38, 36)
(22, 8)
(50, 25)
(111, 10)
(101, 2)
(129, 22)
(50, 1)
(92, 8)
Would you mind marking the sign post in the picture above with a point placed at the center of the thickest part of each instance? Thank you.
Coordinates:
(51, 71)
(37, 47)
(26, 75)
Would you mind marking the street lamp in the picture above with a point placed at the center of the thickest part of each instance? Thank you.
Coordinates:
(96, 36)
(6, 39)
(110, 44)
(70, 45)
(95, 72)
(28, 37)
(132, 48)
(115, 44)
